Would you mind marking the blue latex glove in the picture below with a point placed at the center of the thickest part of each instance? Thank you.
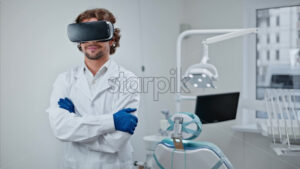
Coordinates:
(67, 104)
(124, 121)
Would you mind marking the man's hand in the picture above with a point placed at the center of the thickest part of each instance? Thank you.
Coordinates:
(67, 104)
(124, 121)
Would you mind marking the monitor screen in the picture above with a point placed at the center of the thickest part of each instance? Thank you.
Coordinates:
(217, 107)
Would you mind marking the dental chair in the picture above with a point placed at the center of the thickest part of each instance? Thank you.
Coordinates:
(179, 152)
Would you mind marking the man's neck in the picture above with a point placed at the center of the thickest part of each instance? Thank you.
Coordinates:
(95, 65)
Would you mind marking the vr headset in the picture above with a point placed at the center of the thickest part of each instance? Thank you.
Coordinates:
(90, 31)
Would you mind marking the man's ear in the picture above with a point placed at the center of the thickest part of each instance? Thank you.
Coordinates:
(111, 42)
(79, 47)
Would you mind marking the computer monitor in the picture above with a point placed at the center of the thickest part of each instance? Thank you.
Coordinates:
(217, 107)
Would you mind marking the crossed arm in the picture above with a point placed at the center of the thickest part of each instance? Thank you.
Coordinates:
(96, 132)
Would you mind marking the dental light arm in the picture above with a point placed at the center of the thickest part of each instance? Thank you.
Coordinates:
(230, 35)
(223, 37)
(205, 54)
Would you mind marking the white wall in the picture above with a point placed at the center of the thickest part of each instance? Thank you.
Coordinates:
(159, 29)
(35, 49)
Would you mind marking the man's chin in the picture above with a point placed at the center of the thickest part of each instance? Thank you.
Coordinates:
(94, 56)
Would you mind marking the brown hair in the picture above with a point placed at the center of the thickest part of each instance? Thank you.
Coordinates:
(101, 14)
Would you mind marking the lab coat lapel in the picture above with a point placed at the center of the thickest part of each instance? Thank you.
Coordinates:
(82, 83)
(112, 73)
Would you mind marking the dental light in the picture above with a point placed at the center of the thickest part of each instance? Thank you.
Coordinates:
(203, 74)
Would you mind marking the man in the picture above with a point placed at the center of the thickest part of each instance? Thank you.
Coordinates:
(94, 122)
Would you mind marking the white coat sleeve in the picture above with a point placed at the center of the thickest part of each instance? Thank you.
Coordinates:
(112, 142)
(69, 126)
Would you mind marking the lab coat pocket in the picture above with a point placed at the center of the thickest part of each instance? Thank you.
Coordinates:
(69, 164)
(112, 166)
(126, 165)
(126, 152)
(122, 165)
(69, 161)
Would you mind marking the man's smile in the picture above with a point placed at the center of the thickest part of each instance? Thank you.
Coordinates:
(92, 47)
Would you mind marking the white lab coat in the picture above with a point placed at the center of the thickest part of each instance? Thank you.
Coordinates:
(90, 138)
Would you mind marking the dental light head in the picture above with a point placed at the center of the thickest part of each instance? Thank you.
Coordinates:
(90, 31)
(203, 74)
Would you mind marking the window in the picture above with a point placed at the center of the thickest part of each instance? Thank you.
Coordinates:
(258, 21)
(268, 55)
(277, 55)
(278, 38)
(268, 21)
(278, 20)
(274, 46)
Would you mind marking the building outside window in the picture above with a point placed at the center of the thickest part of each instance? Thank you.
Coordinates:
(279, 67)
(280, 28)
